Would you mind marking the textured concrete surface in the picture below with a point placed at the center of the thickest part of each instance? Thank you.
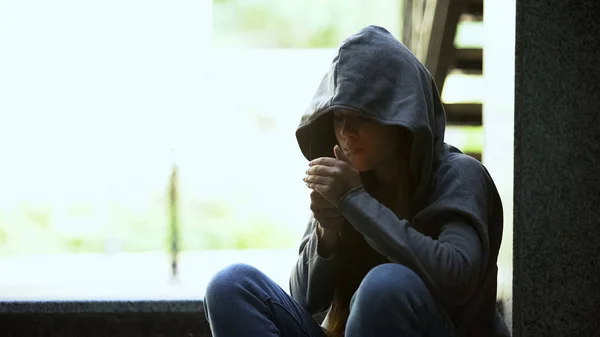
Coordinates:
(556, 288)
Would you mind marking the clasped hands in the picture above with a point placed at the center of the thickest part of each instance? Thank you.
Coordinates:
(332, 178)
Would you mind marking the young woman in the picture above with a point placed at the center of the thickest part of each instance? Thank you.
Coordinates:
(406, 229)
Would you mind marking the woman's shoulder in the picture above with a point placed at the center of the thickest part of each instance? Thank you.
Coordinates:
(462, 165)
(461, 182)
(462, 161)
(455, 159)
(461, 172)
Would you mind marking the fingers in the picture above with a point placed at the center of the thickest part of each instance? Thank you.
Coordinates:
(331, 223)
(314, 195)
(324, 190)
(321, 188)
(321, 170)
(340, 155)
(325, 161)
(318, 205)
(326, 214)
(328, 219)
(314, 179)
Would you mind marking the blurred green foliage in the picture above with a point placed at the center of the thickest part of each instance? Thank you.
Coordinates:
(205, 226)
(298, 24)
(312, 23)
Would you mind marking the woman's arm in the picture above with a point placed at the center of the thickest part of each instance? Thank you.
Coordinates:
(312, 279)
(451, 264)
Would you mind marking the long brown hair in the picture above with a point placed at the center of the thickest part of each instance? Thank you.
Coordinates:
(356, 258)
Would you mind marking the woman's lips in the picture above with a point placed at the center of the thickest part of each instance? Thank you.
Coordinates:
(352, 151)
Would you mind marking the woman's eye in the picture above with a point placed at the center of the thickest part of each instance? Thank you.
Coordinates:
(338, 118)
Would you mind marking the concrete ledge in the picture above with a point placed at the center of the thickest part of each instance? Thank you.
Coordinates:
(100, 307)
(104, 325)
(103, 319)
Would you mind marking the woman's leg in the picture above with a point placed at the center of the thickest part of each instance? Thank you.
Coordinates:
(393, 301)
(242, 301)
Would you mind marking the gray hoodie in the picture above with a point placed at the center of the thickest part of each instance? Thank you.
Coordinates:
(453, 235)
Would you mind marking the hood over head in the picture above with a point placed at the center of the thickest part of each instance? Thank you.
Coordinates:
(376, 75)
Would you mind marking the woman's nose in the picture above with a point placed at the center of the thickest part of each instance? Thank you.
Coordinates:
(348, 129)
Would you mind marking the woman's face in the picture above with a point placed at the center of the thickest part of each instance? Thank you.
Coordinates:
(366, 142)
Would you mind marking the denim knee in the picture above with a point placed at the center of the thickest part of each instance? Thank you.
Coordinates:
(230, 281)
(389, 285)
(392, 300)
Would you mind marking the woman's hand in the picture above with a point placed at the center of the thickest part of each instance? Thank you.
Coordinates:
(325, 212)
(332, 177)
(329, 223)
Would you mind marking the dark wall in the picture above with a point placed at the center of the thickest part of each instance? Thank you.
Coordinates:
(104, 325)
(103, 319)
(556, 283)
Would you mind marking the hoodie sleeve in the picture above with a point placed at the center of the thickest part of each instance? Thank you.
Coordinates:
(450, 264)
(311, 281)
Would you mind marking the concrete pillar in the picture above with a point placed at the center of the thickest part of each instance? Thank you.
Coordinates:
(556, 288)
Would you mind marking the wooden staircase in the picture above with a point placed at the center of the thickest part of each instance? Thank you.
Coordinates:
(429, 30)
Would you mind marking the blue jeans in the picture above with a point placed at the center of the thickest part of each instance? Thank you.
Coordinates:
(391, 301)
